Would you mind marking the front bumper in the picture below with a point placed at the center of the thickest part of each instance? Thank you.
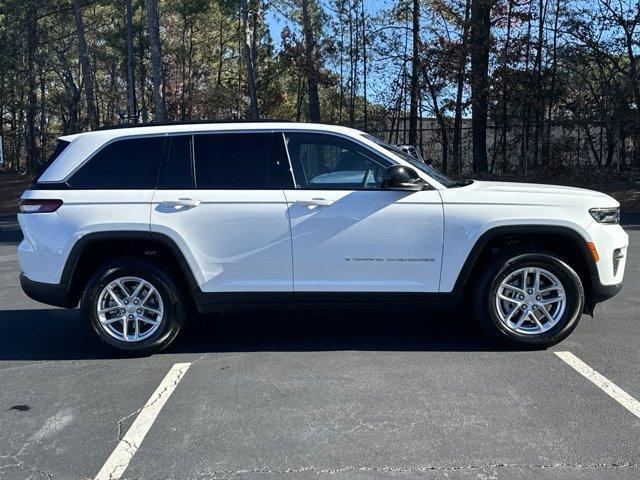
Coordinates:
(56, 294)
(601, 292)
(611, 242)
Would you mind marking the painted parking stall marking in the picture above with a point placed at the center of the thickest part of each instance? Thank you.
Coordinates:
(119, 460)
(610, 388)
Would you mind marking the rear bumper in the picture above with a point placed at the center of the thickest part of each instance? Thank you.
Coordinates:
(56, 294)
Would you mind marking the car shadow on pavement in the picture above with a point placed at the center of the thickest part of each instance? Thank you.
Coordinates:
(54, 334)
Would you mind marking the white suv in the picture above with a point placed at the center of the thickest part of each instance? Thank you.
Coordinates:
(138, 224)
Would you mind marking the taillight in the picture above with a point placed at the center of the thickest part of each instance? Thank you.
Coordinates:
(39, 206)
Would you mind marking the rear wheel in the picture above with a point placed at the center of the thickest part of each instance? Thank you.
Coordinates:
(531, 299)
(134, 307)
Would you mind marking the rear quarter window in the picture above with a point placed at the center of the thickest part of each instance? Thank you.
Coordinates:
(124, 164)
(60, 147)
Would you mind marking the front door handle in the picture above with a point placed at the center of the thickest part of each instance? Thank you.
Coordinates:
(315, 202)
(181, 202)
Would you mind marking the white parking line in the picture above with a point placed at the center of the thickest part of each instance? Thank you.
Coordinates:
(610, 388)
(117, 463)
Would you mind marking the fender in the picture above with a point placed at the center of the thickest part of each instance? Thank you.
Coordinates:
(494, 232)
(166, 241)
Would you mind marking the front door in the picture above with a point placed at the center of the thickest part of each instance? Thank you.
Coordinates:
(348, 234)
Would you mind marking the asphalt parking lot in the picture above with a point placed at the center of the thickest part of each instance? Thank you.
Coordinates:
(316, 396)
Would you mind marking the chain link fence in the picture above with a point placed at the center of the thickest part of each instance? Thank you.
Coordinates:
(556, 145)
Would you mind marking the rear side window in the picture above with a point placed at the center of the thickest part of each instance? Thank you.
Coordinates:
(123, 164)
(234, 161)
(178, 168)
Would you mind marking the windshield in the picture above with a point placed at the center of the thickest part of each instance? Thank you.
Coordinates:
(428, 169)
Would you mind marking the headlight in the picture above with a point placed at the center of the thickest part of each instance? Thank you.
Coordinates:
(606, 215)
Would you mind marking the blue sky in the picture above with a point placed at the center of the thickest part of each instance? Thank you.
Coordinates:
(276, 21)
(379, 80)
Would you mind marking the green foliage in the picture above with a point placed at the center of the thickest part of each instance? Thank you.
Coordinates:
(583, 70)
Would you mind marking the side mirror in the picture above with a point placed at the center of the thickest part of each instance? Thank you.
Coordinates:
(399, 177)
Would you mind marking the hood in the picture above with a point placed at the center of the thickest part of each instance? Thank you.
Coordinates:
(525, 188)
(527, 194)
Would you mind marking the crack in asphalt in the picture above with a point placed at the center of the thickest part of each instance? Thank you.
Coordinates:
(120, 436)
(31, 468)
(20, 464)
(129, 447)
(383, 469)
(400, 470)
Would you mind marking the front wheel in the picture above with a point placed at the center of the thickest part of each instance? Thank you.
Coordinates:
(134, 307)
(528, 299)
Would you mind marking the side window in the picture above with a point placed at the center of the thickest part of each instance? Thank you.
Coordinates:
(123, 164)
(234, 161)
(328, 162)
(178, 168)
(60, 147)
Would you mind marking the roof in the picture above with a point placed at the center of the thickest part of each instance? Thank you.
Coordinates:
(198, 127)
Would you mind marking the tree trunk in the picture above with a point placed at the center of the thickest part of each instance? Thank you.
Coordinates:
(526, 100)
(32, 45)
(144, 110)
(254, 113)
(462, 67)
(364, 66)
(352, 74)
(546, 149)
(43, 105)
(480, 39)
(311, 62)
(442, 124)
(537, 83)
(414, 89)
(505, 116)
(341, 63)
(85, 65)
(156, 60)
(131, 79)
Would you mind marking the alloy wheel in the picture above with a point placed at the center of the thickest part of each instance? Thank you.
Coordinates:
(530, 300)
(130, 309)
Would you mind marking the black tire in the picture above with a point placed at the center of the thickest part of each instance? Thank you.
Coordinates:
(487, 284)
(174, 305)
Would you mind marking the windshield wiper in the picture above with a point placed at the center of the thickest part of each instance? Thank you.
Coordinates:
(463, 182)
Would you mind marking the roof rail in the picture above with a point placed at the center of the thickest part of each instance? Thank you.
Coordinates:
(189, 122)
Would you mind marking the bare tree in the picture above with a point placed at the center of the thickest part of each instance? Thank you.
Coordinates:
(364, 64)
(131, 79)
(414, 89)
(85, 65)
(311, 61)
(32, 45)
(480, 43)
(157, 70)
(249, 57)
(460, 77)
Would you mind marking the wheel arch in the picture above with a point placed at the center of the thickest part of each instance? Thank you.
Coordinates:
(574, 250)
(94, 249)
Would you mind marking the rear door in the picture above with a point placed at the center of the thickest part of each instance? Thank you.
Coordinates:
(221, 200)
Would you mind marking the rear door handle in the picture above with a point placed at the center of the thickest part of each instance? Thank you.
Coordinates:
(181, 202)
(315, 202)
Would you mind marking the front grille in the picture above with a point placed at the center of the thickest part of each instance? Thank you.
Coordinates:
(617, 256)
